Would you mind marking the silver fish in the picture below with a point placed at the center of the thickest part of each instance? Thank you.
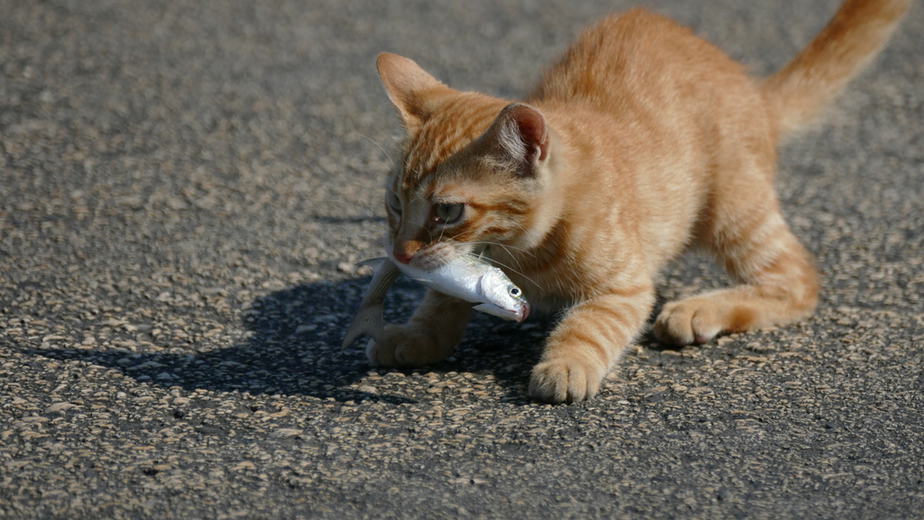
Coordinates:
(468, 279)
(464, 277)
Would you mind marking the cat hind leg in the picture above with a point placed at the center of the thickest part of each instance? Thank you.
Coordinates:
(778, 280)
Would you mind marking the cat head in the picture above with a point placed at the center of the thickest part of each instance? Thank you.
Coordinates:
(473, 172)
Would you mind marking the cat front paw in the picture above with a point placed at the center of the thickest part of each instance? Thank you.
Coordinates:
(565, 380)
(405, 346)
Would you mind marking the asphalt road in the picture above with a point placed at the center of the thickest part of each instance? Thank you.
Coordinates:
(184, 187)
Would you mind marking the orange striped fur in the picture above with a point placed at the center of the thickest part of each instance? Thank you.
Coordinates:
(642, 140)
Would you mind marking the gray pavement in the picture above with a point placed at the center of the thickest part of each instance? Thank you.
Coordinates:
(184, 187)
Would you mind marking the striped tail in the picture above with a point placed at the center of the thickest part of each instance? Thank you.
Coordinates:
(848, 43)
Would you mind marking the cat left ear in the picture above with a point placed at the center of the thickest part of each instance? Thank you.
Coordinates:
(522, 136)
(410, 88)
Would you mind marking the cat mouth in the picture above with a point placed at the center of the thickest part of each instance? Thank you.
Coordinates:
(424, 260)
(427, 262)
(434, 257)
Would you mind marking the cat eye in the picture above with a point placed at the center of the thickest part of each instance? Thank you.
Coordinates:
(393, 202)
(446, 214)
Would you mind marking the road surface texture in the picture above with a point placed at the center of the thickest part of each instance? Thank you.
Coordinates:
(186, 187)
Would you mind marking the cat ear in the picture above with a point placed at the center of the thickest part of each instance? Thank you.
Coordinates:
(409, 87)
(521, 135)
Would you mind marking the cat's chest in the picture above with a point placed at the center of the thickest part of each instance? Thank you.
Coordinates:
(549, 292)
(550, 282)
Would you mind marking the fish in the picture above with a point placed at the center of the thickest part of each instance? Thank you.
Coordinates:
(467, 278)
(464, 277)
(369, 319)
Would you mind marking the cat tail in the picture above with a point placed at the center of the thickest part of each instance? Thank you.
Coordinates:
(848, 43)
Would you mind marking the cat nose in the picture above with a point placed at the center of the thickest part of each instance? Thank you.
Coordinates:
(403, 257)
(405, 252)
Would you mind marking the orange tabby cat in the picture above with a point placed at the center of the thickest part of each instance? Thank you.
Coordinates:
(642, 140)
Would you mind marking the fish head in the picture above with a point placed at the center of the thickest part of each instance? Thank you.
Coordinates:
(502, 297)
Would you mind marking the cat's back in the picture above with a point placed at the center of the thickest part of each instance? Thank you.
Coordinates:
(637, 54)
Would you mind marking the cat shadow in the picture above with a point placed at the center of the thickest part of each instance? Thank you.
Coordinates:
(293, 348)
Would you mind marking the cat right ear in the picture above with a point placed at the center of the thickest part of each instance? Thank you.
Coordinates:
(410, 88)
(521, 136)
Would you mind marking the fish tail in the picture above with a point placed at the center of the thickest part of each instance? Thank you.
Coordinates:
(368, 322)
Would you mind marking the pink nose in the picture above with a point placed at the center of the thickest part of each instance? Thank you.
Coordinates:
(403, 257)
(404, 251)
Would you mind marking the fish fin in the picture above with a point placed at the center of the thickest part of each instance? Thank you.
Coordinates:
(371, 261)
(368, 322)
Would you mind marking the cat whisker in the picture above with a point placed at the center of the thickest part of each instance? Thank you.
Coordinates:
(513, 256)
(377, 145)
(505, 246)
(527, 278)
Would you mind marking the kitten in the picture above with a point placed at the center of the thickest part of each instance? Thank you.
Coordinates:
(642, 140)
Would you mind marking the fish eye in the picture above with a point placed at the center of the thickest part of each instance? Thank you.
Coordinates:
(446, 214)
(515, 292)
